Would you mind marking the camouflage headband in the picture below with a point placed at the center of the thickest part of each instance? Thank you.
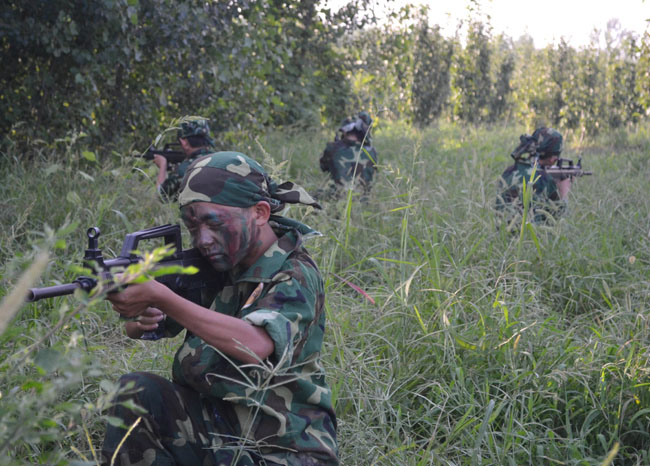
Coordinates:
(234, 179)
(196, 128)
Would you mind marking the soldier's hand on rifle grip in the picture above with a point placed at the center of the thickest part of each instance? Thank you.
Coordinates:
(148, 321)
(137, 298)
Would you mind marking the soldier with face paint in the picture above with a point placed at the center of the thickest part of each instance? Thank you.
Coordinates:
(247, 385)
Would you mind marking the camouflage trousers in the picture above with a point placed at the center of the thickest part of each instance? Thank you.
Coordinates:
(179, 427)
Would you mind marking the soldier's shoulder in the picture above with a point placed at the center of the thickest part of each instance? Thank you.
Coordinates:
(507, 173)
(335, 145)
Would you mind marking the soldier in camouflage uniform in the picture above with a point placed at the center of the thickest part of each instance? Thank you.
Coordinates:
(248, 387)
(194, 138)
(351, 157)
(548, 195)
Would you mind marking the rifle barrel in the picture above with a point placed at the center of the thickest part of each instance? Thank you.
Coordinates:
(35, 294)
(560, 172)
(172, 156)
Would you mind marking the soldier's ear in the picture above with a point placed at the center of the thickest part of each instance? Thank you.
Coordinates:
(261, 212)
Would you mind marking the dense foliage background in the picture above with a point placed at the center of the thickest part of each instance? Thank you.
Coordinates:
(476, 347)
(120, 70)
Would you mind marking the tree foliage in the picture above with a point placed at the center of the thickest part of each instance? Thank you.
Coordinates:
(120, 70)
(431, 75)
(109, 67)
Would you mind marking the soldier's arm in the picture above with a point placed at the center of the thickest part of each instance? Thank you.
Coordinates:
(564, 186)
(161, 163)
(226, 333)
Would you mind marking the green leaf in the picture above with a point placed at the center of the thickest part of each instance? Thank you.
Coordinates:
(32, 384)
(107, 385)
(48, 423)
(48, 359)
(89, 155)
(55, 167)
(86, 175)
(172, 269)
(115, 421)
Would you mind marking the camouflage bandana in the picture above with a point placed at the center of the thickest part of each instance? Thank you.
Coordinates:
(234, 179)
(548, 142)
(195, 128)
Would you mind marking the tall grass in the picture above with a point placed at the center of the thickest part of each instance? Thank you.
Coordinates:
(477, 346)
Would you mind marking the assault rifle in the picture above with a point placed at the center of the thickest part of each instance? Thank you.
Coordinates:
(564, 168)
(172, 156)
(187, 286)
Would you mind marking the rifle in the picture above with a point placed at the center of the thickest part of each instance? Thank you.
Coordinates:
(172, 156)
(187, 286)
(565, 168)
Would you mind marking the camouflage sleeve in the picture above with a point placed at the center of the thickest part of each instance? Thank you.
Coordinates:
(551, 189)
(171, 328)
(288, 310)
(326, 158)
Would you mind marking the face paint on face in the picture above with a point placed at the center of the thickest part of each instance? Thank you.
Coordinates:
(225, 235)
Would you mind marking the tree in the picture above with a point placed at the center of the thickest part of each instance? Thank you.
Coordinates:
(471, 78)
(431, 76)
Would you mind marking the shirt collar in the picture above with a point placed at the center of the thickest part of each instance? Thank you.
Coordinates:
(271, 261)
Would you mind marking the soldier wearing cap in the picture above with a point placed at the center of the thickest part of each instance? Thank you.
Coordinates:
(194, 138)
(247, 384)
(548, 195)
(350, 159)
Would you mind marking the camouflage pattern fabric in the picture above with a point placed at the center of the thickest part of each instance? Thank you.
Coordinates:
(276, 412)
(349, 164)
(545, 202)
(198, 127)
(170, 188)
(234, 179)
(178, 426)
(548, 142)
(544, 143)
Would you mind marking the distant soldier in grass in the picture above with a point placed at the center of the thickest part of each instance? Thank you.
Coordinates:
(548, 195)
(247, 384)
(194, 138)
(351, 159)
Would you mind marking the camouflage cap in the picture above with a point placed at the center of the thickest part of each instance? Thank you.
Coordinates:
(234, 179)
(345, 123)
(197, 128)
(548, 142)
(359, 124)
(365, 117)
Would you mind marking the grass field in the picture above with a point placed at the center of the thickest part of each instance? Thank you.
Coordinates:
(481, 347)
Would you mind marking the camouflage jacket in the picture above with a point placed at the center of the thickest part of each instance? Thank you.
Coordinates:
(284, 402)
(169, 188)
(545, 200)
(339, 159)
